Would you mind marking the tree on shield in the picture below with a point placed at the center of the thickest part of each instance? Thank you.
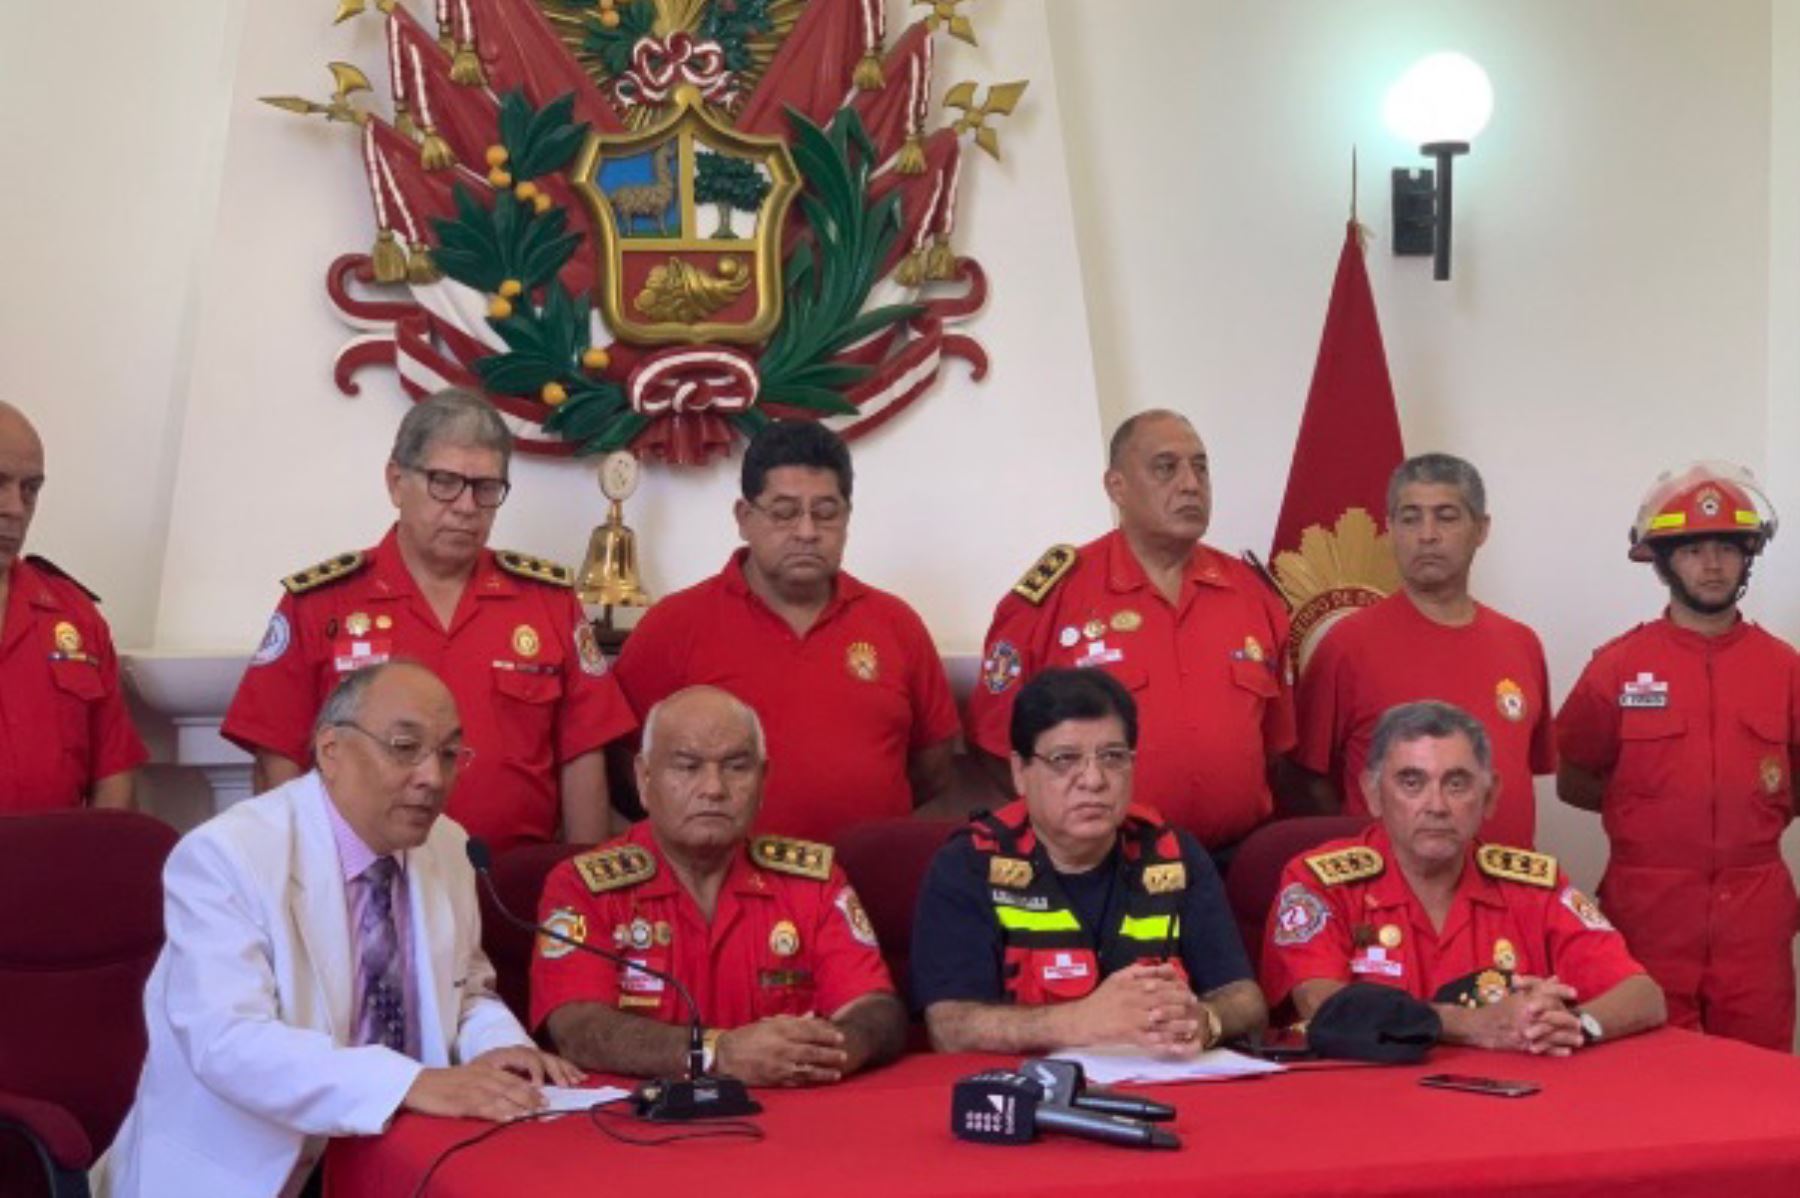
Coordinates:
(729, 183)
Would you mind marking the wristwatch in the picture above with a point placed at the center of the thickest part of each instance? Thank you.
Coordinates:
(1215, 1030)
(709, 1048)
(1591, 1031)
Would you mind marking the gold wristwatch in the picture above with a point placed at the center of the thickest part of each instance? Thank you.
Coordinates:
(709, 1048)
(1215, 1030)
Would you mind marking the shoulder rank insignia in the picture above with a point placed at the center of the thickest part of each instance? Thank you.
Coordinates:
(1166, 878)
(1042, 578)
(785, 855)
(1014, 873)
(1517, 865)
(620, 866)
(326, 572)
(1352, 864)
(535, 568)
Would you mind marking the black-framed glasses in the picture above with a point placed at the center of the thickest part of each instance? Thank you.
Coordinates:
(446, 486)
(785, 513)
(1066, 763)
(407, 751)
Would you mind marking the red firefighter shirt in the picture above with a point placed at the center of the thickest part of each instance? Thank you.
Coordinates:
(1207, 673)
(843, 706)
(1391, 653)
(520, 658)
(1346, 913)
(1696, 737)
(63, 723)
(788, 937)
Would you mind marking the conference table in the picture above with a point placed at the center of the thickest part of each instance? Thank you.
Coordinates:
(1669, 1113)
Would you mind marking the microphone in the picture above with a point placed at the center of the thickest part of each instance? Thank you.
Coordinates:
(1005, 1107)
(697, 1096)
(1065, 1085)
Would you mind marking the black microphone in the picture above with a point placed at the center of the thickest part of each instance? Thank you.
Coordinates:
(697, 1096)
(1004, 1107)
(1066, 1085)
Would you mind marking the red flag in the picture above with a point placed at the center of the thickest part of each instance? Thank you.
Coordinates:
(1331, 555)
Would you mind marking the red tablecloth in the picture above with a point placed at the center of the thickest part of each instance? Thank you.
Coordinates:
(1671, 1113)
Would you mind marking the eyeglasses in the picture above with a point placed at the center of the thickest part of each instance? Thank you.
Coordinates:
(407, 751)
(785, 513)
(446, 486)
(1065, 763)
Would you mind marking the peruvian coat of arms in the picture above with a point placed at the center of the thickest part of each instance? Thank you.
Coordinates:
(656, 225)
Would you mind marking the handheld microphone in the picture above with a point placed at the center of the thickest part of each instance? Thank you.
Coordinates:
(1004, 1107)
(1065, 1084)
(698, 1095)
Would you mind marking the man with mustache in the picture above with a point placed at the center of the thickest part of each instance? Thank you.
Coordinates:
(1196, 637)
(845, 678)
(323, 970)
(1430, 640)
(65, 736)
(503, 629)
(1681, 734)
(1509, 953)
(1071, 916)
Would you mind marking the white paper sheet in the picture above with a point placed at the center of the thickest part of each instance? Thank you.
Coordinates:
(1110, 1066)
(580, 1098)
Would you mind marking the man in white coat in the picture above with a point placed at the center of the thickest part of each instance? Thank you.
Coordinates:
(323, 969)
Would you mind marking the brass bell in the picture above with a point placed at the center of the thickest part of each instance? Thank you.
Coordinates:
(609, 572)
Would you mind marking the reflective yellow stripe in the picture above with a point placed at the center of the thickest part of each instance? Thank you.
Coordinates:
(1669, 520)
(1749, 518)
(1150, 927)
(1015, 920)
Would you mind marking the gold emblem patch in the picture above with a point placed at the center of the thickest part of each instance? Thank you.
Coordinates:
(1165, 878)
(1253, 650)
(862, 661)
(1127, 621)
(1014, 873)
(1504, 956)
(1771, 775)
(357, 623)
(1093, 630)
(525, 641)
(384, 622)
(1390, 935)
(784, 939)
(567, 922)
(67, 638)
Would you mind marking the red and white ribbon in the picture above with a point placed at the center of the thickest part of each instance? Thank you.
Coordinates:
(659, 67)
(693, 380)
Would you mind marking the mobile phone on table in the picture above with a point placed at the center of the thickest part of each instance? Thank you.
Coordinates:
(1469, 1083)
(1277, 1044)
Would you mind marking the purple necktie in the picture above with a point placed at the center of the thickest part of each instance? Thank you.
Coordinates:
(381, 1017)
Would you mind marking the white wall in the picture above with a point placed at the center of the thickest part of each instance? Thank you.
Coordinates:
(278, 470)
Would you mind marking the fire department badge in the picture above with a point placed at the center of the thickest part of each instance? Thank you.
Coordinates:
(1709, 502)
(656, 225)
(357, 623)
(850, 906)
(1300, 915)
(862, 662)
(1510, 699)
(525, 641)
(1000, 668)
(587, 649)
(784, 939)
(66, 637)
(1336, 571)
(1504, 956)
(568, 922)
(274, 642)
(1771, 775)
(1585, 909)
(1390, 935)
(1126, 620)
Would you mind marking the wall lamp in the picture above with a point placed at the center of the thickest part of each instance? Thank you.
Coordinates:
(1441, 104)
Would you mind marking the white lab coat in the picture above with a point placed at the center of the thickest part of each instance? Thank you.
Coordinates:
(249, 1007)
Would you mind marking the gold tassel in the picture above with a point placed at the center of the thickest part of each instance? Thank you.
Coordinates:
(940, 262)
(404, 124)
(911, 159)
(869, 76)
(446, 43)
(419, 266)
(465, 68)
(911, 271)
(435, 153)
(388, 258)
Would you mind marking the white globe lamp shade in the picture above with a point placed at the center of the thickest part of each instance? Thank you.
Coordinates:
(1444, 97)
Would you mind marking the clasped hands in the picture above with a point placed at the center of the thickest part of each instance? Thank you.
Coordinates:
(1148, 1006)
(1537, 1016)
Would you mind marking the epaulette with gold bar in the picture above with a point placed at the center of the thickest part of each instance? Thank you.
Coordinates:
(535, 568)
(1517, 865)
(331, 570)
(786, 855)
(1352, 864)
(1042, 578)
(616, 867)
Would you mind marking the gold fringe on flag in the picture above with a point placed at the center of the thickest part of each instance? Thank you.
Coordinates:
(911, 159)
(435, 153)
(388, 258)
(465, 68)
(869, 76)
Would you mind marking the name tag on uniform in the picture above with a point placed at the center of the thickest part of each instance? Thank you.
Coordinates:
(1644, 691)
(1374, 959)
(1065, 966)
(639, 983)
(1025, 902)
